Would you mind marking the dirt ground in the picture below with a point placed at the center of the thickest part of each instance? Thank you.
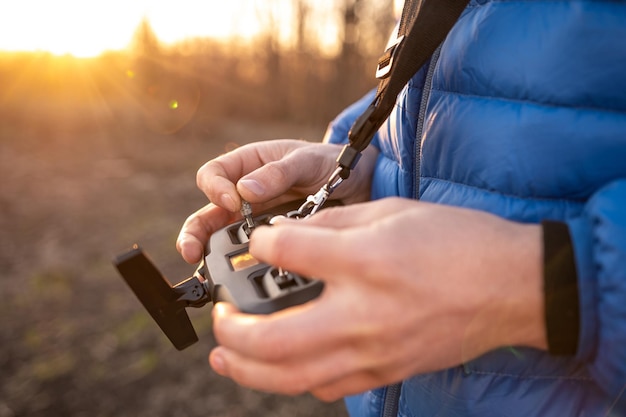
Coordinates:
(74, 341)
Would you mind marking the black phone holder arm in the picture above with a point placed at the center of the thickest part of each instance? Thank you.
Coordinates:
(192, 292)
(165, 303)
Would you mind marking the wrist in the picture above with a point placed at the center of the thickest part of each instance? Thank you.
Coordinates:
(513, 312)
(526, 297)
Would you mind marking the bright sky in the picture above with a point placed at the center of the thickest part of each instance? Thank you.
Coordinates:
(86, 28)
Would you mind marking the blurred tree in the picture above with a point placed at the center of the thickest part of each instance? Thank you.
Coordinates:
(145, 49)
(145, 41)
(304, 69)
(302, 13)
(272, 53)
(364, 26)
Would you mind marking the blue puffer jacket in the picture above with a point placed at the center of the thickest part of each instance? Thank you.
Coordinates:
(522, 113)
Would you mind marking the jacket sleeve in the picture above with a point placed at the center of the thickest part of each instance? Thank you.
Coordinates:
(338, 129)
(599, 240)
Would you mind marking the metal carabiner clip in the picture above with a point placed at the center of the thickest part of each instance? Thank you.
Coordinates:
(314, 202)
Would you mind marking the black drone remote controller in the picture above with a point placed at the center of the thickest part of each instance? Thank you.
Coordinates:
(227, 273)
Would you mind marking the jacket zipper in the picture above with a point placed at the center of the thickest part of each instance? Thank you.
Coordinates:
(392, 398)
(419, 131)
(392, 394)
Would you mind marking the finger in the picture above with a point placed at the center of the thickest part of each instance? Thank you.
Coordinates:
(289, 377)
(341, 217)
(217, 177)
(215, 182)
(321, 252)
(357, 382)
(195, 232)
(285, 335)
(327, 376)
(302, 169)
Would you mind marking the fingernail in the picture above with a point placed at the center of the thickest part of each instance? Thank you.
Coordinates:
(253, 186)
(191, 251)
(228, 203)
(217, 363)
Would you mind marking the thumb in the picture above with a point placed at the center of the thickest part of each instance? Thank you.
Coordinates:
(269, 181)
(297, 169)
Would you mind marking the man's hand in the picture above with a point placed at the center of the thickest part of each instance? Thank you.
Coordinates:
(266, 174)
(410, 287)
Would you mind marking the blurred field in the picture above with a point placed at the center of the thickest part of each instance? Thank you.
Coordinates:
(81, 180)
(97, 154)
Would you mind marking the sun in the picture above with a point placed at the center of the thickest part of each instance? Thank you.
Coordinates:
(66, 26)
(88, 28)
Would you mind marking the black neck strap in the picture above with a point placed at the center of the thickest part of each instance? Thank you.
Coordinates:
(423, 27)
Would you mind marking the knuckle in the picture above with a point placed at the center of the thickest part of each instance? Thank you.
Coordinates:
(217, 178)
(272, 345)
(274, 247)
(208, 173)
(295, 390)
(326, 395)
(202, 173)
(300, 381)
(277, 172)
(239, 374)
(220, 330)
(278, 250)
(326, 215)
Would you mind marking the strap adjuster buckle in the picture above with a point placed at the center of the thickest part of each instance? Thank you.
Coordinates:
(385, 62)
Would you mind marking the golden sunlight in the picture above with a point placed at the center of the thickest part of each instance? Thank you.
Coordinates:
(88, 28)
